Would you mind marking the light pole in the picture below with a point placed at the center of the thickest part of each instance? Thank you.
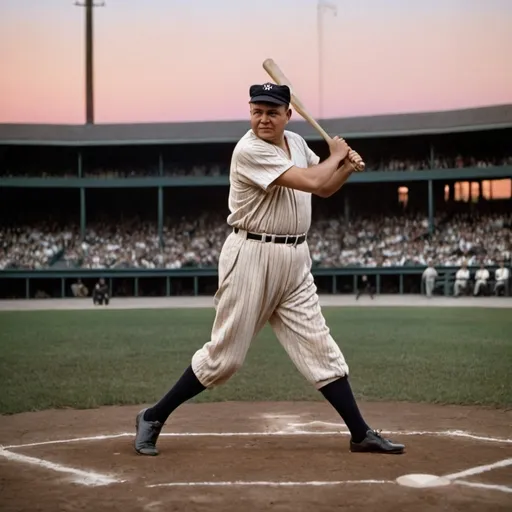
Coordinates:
(89, 55)
(322, 6)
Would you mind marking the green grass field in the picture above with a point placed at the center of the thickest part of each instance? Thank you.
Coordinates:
(84, 359)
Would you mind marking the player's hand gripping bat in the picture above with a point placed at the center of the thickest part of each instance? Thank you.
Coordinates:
(279, 77)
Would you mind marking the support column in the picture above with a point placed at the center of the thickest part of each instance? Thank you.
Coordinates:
(82, 213)
(161, 215)
(160, 164)
(430, 207)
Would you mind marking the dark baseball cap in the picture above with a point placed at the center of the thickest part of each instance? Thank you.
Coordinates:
(270, 93)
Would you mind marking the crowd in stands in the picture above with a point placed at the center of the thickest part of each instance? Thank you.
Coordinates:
(196, 242)
(222, 169)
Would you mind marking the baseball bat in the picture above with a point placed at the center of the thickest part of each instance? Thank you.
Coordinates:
(280, 78)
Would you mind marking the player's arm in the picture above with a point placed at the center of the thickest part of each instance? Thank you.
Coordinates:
(314, 179)
(263, 165)
(341, 175)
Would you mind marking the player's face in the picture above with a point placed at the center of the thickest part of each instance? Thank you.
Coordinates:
(269, 121)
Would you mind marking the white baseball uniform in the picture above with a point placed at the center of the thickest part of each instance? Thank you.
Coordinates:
(501, 276)
(429, 274)
(481, 278)
(265, 281)
(461, 280)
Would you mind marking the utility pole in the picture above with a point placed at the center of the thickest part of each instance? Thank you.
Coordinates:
(89, 58)
(322, 5)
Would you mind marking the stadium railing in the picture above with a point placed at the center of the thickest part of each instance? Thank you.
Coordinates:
(203, 281)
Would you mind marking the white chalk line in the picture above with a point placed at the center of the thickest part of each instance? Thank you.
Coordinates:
(491, 487)
(73, 440)
(279, 416)
(89, 478)
(296, 428)
(92, 478)
(280, 433)
(478, 470)
(313, 483)
(317, 423)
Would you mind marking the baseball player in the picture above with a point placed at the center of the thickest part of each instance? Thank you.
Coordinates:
(501, 276)
(100, 293)
(461, 279)
(365, 287)
(481, 278)
(429, 275)
(264, 271)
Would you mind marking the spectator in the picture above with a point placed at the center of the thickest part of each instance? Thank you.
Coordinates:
(196, 242)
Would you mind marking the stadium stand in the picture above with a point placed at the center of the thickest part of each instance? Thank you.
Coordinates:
(427, 194)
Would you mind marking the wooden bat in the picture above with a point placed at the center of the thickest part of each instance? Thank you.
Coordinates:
(279, 78)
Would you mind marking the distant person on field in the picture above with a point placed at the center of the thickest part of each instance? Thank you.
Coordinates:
(501, 275)
(100, 293)
(461, 279)
(429, 276)
(481, 278)
(79, 289)
(365, 288)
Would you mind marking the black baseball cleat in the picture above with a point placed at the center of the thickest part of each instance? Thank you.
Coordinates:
(146, 435)
(375, 443)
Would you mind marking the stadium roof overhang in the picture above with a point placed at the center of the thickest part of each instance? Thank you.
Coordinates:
(453, 121)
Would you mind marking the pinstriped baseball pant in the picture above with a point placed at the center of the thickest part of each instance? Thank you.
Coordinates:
(267, 282)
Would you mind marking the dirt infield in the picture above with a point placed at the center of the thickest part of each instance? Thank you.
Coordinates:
(254, 456)
(227, 457)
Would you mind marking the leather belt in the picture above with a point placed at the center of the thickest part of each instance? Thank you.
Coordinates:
(276, 239)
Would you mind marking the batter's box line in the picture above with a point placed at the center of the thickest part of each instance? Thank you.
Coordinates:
(78, 476)
(241, 483)
(454, 478)
(299, 428)
(281, 433)
(91, 478)
(314, 483)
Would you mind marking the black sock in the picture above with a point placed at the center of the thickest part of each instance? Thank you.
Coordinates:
(187, 387)
(340, 396)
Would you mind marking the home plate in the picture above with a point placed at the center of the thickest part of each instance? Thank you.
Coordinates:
(421, 480)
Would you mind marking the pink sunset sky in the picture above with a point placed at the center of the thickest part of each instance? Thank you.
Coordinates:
(178, 60)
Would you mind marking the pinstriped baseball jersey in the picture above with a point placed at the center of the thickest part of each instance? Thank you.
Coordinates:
(255, 204)
(262, 282)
